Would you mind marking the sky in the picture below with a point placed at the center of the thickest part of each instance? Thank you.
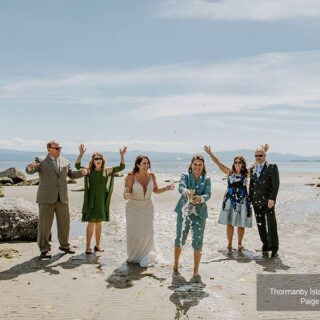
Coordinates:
(162, 75)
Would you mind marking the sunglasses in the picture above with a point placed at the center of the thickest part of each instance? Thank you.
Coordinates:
(56, 148)
(96, 159)
(237, 162)
(259, 155)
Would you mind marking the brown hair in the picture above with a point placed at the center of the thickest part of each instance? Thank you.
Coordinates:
(138, 161)
(201, 158)
(244, 169)
(91, 163)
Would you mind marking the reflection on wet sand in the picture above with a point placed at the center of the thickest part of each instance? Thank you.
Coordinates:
(186, 294)
(246, 256)
(123, 276)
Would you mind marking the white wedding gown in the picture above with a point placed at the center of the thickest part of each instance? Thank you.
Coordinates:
(139, 220)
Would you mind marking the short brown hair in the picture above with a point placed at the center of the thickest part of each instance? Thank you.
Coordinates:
(201, 158)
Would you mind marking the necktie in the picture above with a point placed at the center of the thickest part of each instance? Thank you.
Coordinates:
(55, 162)
(259, 167)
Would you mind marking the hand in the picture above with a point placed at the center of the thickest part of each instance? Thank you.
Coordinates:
(82, 149)
(170, 187)
(270, 204)
(207, 149)
(187, 193)
(265, 147)
(33, 166)
(126, 196)
(126, 193)
(123, 151)
(196, 200)
(84, 171)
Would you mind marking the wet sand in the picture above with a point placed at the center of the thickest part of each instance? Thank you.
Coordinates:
(101, 286)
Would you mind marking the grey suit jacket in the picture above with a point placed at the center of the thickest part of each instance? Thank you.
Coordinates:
(53, 184)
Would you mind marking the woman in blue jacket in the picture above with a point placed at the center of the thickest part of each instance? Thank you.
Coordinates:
(192, 211)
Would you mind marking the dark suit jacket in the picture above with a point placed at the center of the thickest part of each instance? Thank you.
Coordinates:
(266, 186)
(53, 183)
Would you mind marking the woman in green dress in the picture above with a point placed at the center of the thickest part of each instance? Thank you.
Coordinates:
(98, 187)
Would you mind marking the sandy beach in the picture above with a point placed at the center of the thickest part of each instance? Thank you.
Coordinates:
(102, 286)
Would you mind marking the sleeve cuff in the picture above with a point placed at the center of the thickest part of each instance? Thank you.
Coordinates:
(202, 199)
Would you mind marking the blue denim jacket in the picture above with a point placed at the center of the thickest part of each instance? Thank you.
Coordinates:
(202, 187)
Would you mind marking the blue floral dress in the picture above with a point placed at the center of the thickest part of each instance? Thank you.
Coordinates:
(235, 207)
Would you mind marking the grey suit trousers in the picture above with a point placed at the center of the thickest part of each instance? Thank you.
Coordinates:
(46, 215)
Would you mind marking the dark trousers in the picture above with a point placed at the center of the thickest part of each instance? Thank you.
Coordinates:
(267, 226)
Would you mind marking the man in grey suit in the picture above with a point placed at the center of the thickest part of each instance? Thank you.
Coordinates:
(52, 197)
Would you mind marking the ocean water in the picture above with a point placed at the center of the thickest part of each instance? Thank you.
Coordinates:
(177, 167)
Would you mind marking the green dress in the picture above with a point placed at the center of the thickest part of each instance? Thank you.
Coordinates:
(98, 187)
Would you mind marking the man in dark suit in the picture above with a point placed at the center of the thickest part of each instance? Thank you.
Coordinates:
(52, 197)
(264, 186)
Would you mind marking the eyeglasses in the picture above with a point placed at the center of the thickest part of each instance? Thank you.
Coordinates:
(258, 155)
(56, 148)
(96, 159)
(237, 162)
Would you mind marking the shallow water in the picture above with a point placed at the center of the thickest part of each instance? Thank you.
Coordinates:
(178, 167)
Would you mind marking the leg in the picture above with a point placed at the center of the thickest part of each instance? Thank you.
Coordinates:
(98, 227)
(46, 214)
(230, 230)
(177, 253)
(273, 239)
(89, 233)
(261, 223)
(182, 230)
(63, 224)
(240, 237)
(196, 259)
(198, 226)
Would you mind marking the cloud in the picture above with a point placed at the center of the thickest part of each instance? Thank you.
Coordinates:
(262, 82)
(263, 74)
(235, 10)
(202, 104)
(91, 80)
(19, 143)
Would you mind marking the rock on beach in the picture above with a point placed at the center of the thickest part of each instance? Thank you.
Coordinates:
(18, 220)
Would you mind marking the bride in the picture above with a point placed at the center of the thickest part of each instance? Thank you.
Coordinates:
(139, 185)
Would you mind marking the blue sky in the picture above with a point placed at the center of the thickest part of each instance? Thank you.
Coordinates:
(160, 75)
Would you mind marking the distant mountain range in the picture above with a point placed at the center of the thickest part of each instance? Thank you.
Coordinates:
(26, 156)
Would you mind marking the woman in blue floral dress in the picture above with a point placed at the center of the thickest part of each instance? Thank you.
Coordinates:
(235, 211)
